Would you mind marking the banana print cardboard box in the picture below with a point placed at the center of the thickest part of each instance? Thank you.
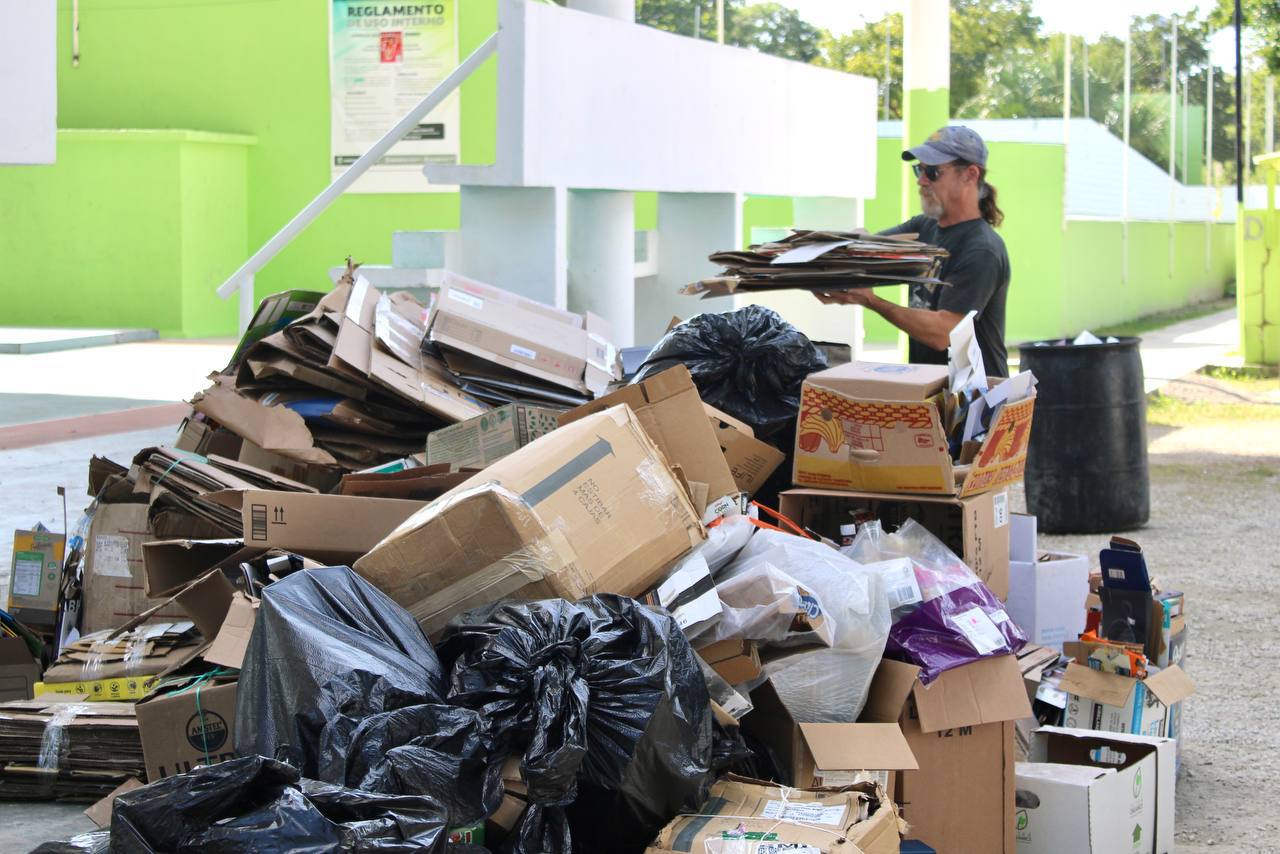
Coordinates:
(874, 427)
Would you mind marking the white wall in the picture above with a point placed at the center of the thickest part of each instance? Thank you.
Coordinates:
(588, 102)
(28, 81)
(1095, 167)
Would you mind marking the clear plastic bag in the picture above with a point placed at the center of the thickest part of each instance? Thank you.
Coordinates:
(827, 684)
(955, 618)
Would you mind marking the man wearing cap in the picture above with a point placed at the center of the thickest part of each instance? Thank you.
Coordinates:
(960, 215)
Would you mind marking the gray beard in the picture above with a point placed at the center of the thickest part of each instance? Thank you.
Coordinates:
(931, 207)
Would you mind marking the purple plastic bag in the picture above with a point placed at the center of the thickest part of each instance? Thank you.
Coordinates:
(954, 619)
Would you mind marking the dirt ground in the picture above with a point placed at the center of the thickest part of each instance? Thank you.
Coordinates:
(1215, 510)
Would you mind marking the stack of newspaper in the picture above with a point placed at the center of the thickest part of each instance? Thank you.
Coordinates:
(824, 261)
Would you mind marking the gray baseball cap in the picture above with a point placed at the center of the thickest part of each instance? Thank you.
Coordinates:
(950, 143)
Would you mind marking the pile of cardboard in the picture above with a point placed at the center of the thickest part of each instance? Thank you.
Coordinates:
(642, 492)
(503, 348)
(823, 261)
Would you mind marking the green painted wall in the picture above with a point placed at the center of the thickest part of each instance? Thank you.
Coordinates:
(125, 231)
(260, 68)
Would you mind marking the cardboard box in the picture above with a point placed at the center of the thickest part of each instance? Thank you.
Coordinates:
(589, 508)
(1113, 703)
(750, 460)
(322, 477)
(1084, 792)
(872, 427)
(338, 528)
(489, 437)
(170, 565)
(19, 671)
(960, 730)
(670, 410)
(523, 336)
(34, 577)
(735, 659)
(829, 754)
(232, 639)
(1047, 590)
(975, 527)
(114, 581)
(184, 726)
(846, 820)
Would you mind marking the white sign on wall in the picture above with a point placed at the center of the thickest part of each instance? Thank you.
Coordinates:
(384, 58)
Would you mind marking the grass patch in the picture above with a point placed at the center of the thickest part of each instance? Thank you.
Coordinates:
(1152, 322)
(1172, 412)
(1245, 380)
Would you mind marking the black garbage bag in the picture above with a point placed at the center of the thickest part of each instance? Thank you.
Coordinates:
(749, 363)
(92, 842)
(339, 681)
(604, 701)
(257, 804)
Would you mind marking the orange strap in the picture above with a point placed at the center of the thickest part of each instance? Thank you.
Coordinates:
(790, 526)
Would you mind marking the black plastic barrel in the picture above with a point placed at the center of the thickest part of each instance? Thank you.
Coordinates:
(1087, 461)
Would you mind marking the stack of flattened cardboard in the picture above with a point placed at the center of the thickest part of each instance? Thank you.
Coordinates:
(343, 387)
(66, 749)
(824, 261)
(504, 348)
(115, 664)
(180, 484)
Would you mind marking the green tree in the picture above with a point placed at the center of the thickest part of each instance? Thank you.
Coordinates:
(987, 35)
(684, 16)
(863, 52)
(1260, 15)
(773, 29)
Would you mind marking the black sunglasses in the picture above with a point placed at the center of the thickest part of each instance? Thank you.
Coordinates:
(930, 172)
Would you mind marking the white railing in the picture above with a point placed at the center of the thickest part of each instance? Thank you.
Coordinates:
(242, 279)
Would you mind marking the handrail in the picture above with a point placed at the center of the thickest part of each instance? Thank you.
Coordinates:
(242, 279)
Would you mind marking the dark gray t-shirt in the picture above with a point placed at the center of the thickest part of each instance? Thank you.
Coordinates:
(977, 270)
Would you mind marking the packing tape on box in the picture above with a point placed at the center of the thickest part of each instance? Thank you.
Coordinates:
(550, 553)
(53, 742)
(784, 813)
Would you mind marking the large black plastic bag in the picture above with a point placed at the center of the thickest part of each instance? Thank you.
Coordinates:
(258, 804)
(749, 363)
(339, 681)
(604, 701)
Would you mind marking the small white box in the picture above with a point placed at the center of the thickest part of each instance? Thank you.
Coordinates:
(1102, 793)
(1047, 590)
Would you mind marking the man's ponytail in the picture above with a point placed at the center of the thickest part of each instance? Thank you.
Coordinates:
(987, 201)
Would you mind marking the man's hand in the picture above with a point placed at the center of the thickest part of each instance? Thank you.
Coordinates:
(853, 297)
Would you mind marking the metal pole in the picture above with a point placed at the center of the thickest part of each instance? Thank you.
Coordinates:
(1173, 125)
(1270, 113)
(1124, 168)
(697, 20)
(1085, 41)
(1209, 178)
(248, 302)
(1239, 121)
(1186, 106)
(1066, 117)
(888, 78)
(317, 205)
(720, 21)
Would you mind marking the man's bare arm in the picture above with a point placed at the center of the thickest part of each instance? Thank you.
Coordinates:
(928, 327)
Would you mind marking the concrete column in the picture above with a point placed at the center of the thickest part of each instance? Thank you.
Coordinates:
(926, 79)
(690, 227)
(515, 238)
(601, 253)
